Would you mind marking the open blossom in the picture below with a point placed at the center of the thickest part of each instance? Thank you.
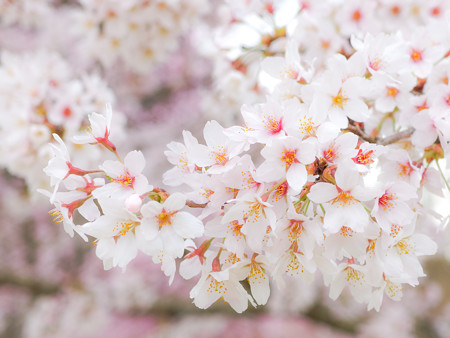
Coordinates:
(401, 263)
(257, 277)
(391, 206)
(126, 178)
(99, 130)
(340, 97)
(234, 238)
(289, 67)
(263, 123)
(287, 158)
(339, 149)
(343, 201)
(179, 155)
(256, 217)
(211, 287)
(219, 152)
(115, 234)
(169, 224)
(355, 277)
(60, 167)
(62, 213)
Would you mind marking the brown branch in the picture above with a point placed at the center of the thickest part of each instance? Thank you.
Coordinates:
(357, 131)
(382, 141)
(192, 204)
(33, 285)
(396, 137)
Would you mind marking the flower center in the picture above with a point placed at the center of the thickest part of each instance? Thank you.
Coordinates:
(124, 227)
(346, 232)
(164, 218)
(330, 154)
(125, 180)
(58, 217)
(325, 44)
(375, 63)
(395, 229)
(215, 286)
(280, 191)
(273, 125)
(391, 91)
(353, 275)
(289, 157)
(344, 198)
(307, 125)
(290, 73)
(363, 158)
(395, 10)
(356, 15)
(403, 247)
(422, 106)
(295, 229)
(339, 100)
(405, 169)
(386, 201)
(235, 228)
(447, 99)
(221, 156)
(416, 55)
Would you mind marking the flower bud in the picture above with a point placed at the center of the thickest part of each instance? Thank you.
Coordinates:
(133, 203)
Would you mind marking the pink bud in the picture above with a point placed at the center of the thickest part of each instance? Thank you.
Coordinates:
(133, 203)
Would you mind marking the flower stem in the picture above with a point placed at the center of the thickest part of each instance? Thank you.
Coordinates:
(442, 174)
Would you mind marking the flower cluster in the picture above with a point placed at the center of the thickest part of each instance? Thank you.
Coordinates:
(41, 95)
(330, 174)
(113, 205)
(140, 33)
(25, 13)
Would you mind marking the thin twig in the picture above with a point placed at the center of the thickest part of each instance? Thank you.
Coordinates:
(192, 204)
(357, 131)
(396, 137)
(382, 141)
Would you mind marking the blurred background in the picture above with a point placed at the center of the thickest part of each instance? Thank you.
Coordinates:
(165, 66)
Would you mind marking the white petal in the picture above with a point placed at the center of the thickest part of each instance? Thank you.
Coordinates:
(322, 192)
(105, 248)
(269, 171)
(134, 162)
(337, 286)
(125, 251)
(296, 176)
(259, 286)
(347, 177)
(307, 152)
(190, 267)
(424, 245)
(204, 298)
(113, 168)
(187, 225)
(151, 209)
(149, 229)
(173, 244)
(357, 110)
(237, 297)
(174, 202)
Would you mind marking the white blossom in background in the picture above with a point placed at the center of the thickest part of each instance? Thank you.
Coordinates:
(139, 33)
(23, 12)
(41, 96)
